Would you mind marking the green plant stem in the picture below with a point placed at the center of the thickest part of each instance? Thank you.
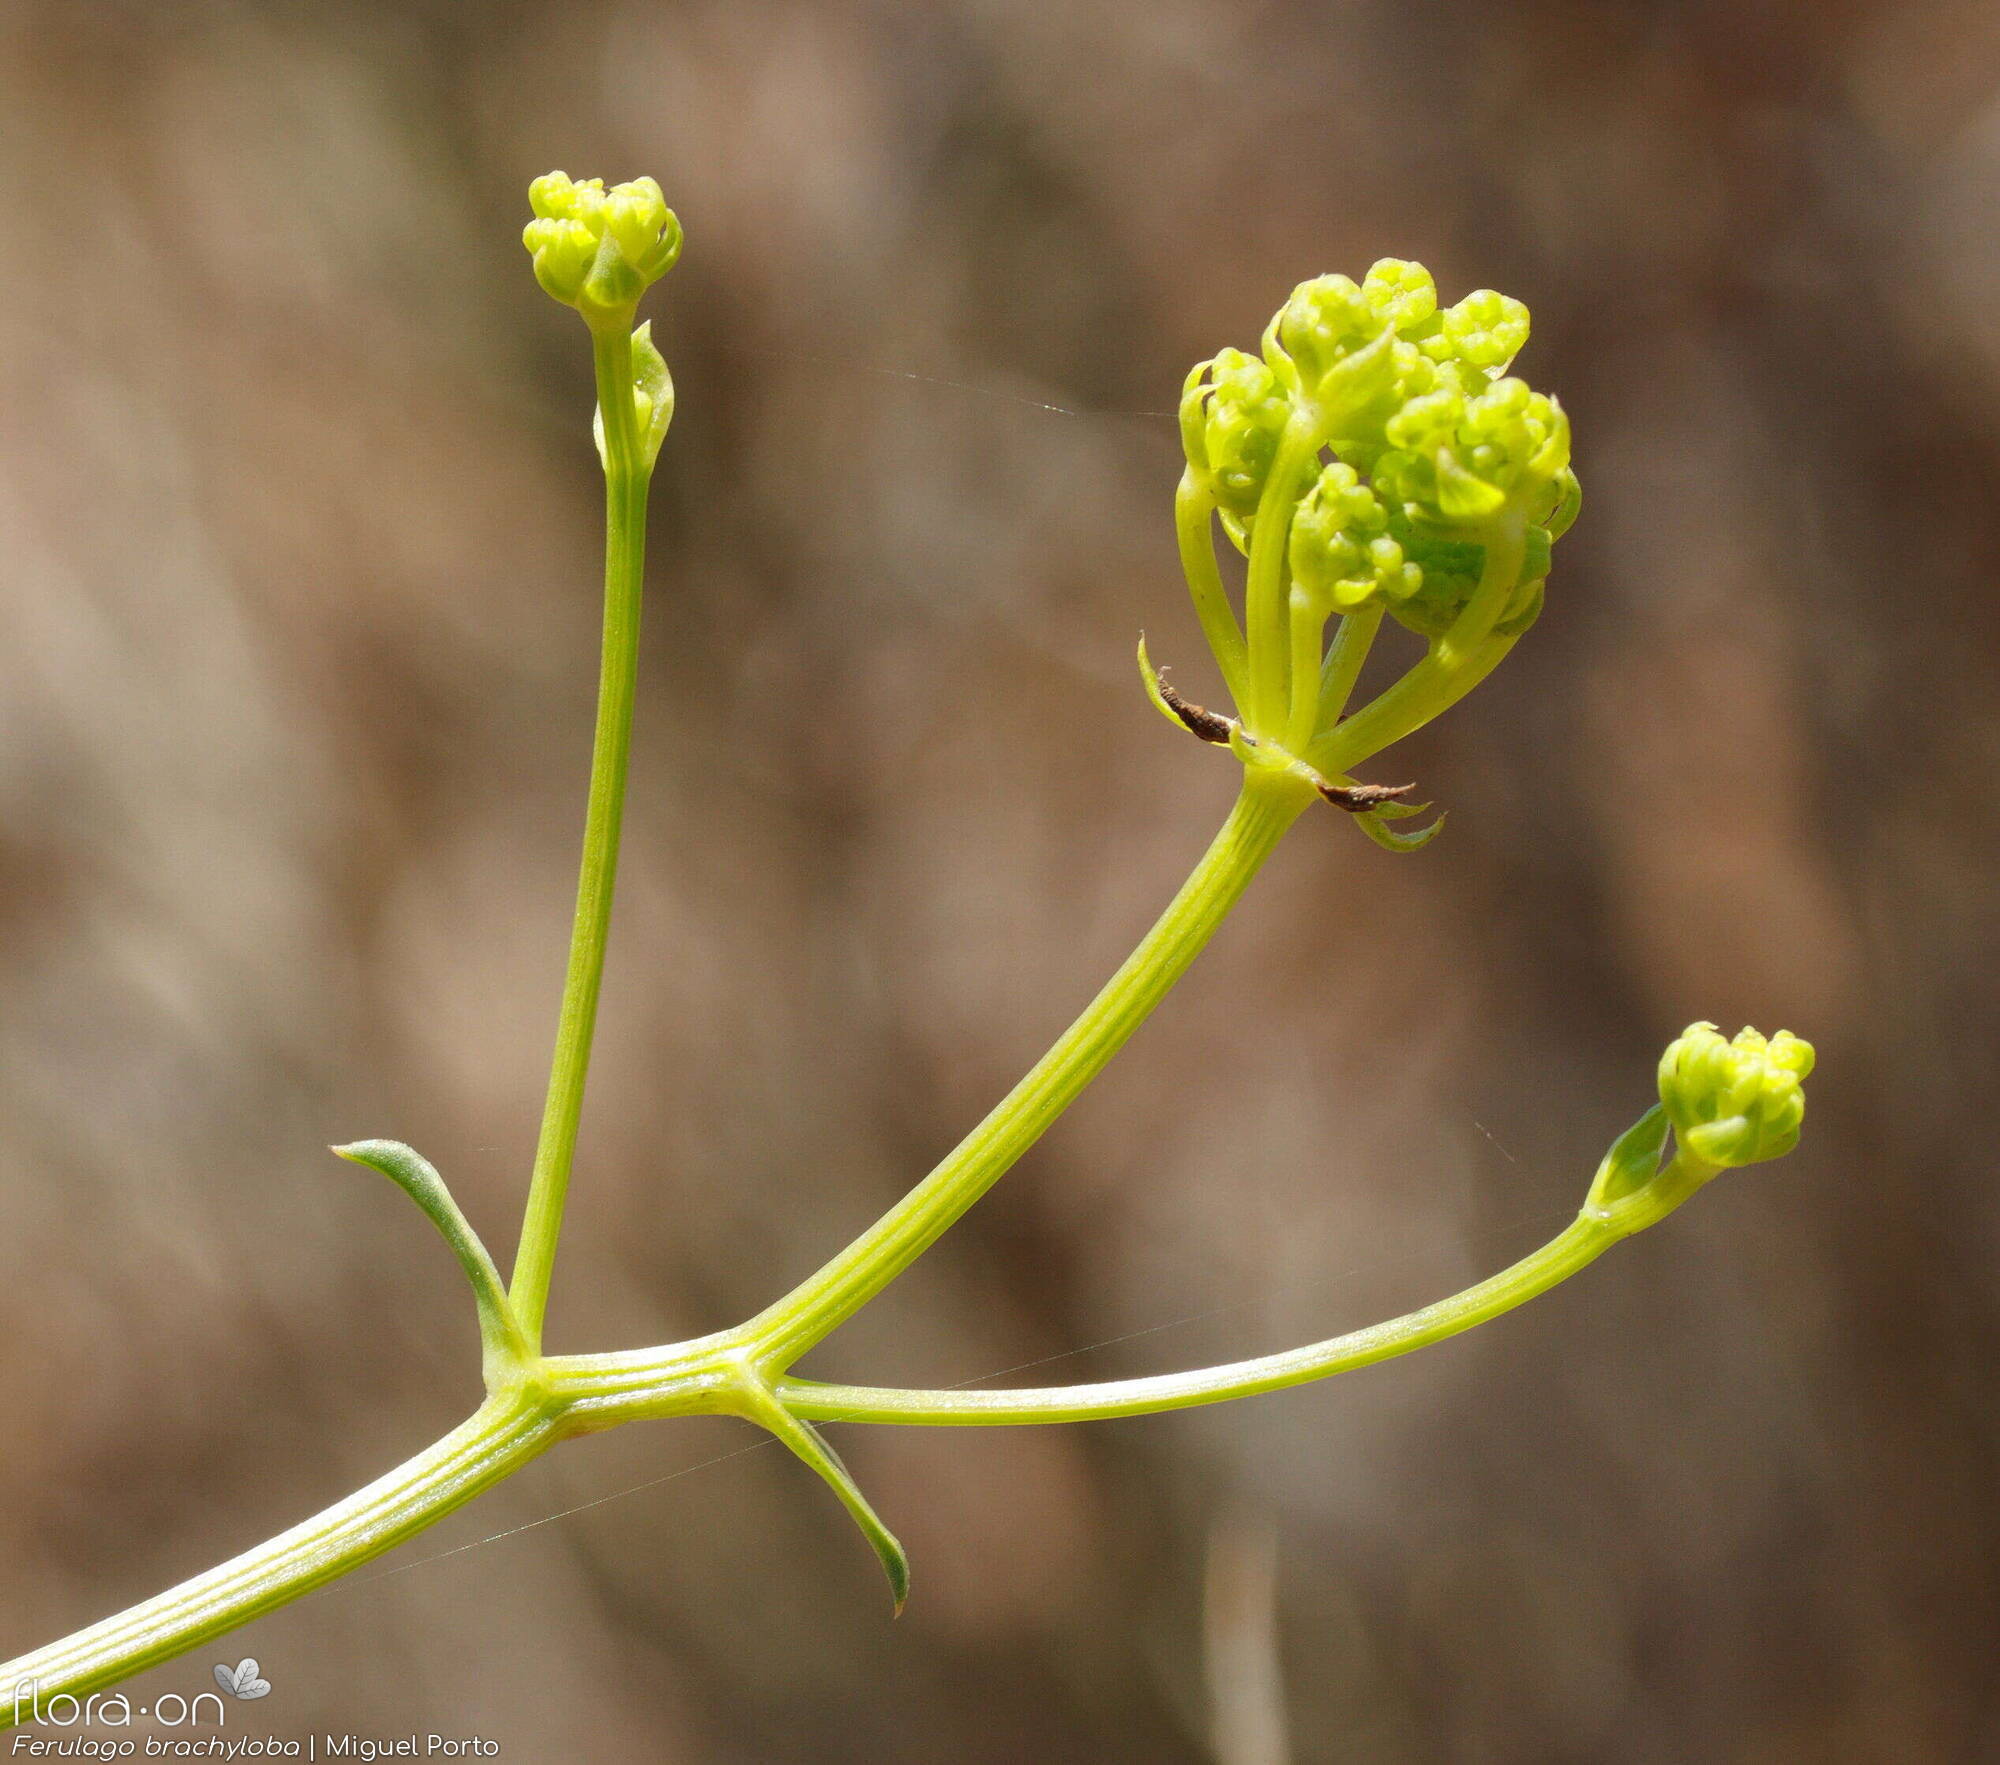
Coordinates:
(1269, 803)
(1308, 616)
(1344, 659)
(1458, 661)
(545, 1401)
(503, 1434)
(626, 479)
(1581, 1243)
(1264, 611)
(1193, 514)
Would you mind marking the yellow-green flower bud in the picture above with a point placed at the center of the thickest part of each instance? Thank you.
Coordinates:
(1485, 329)
(1401, 293)
(563, 251)
(1336, 348)
(643, 227)
(1458, 461)
(599, 252)
(1232, 413)
(1472, 343)
(1324, 322)
(1341, 553)
(1737, 1101)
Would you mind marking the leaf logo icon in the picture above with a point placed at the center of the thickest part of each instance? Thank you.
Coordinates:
(241, 1681)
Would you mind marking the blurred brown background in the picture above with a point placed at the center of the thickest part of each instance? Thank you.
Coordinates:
(298, 531)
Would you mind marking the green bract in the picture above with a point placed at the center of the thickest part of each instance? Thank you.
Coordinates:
(1735, 1101)
(599, 250)
(652, 398)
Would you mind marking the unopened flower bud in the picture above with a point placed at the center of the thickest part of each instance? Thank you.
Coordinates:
(1336, 348)
(599, 252)
(1341, 552)
(563, 251)
(1324, 322)
(1232, 413)
(1401, 293)
(1486, 329)
(1458, 461)
(1737, 1101)
(645, 229)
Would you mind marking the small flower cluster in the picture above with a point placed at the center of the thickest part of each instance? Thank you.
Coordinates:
(1735, 1101)
(1729, 1101)
(1433, 445)
(598, 250)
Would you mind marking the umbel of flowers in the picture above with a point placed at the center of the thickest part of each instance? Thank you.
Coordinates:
(1374, 458)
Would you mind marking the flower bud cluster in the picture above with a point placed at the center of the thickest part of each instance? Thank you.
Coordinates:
(599, 250)
(1232, 413)
(1455, 461)
(1739, 1101)
(1342, 555)
(1433, 443)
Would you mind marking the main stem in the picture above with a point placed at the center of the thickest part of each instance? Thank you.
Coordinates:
(502, 1435)
(625, 483)
(1269, 803)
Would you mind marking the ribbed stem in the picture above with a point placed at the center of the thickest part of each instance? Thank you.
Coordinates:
(625, 484)
(1267, 806)
(500, 1436)
(1264, 611)
(1583, 1242)
(1193, 528)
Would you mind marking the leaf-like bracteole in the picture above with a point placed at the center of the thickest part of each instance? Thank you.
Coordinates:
(417, 1177)
(650, 376)
(1633, 1161)
(1183, 713)
(652, 384)
(1373, 824)
(809, 1444)
(1151, 676)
